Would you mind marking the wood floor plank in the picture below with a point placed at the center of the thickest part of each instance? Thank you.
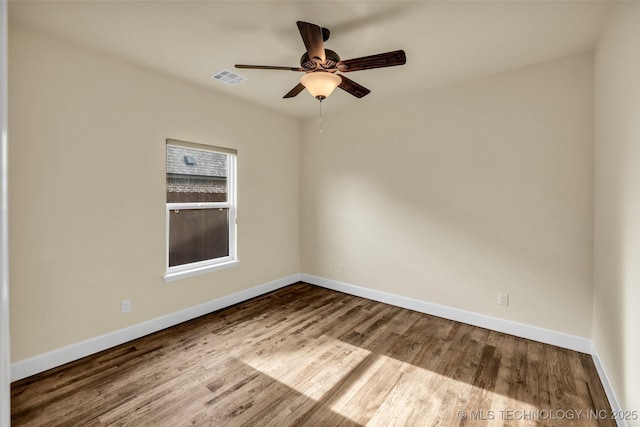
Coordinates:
(305, 355)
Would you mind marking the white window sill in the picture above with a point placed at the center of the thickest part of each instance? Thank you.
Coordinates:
(177, 275)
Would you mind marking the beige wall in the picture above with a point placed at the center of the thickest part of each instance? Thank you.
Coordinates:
(616, 317)
(87, 174)
(452, 195)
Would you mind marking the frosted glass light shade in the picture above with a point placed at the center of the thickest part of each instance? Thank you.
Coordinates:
(320, 84)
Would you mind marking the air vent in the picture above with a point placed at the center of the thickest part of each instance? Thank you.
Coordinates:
(228, 77)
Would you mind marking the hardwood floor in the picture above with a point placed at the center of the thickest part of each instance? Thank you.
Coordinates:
(305, 355)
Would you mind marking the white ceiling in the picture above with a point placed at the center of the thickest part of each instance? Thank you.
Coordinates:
(445, 41)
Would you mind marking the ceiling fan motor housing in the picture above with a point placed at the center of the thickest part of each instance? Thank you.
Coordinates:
(332, 58)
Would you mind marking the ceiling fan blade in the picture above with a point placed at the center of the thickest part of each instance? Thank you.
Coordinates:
(388, 59)
(353, 88)
(325, 34)
(269, 67)
(312, 37)
(296, 90)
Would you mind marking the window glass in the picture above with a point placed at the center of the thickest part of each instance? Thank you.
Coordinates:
(198, 235)
(196, 175)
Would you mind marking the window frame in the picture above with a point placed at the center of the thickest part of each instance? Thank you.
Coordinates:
(231, 260)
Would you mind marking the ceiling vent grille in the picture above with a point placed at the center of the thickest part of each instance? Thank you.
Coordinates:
(228, 77)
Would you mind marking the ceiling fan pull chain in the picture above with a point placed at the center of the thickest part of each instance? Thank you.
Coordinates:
(320, 119)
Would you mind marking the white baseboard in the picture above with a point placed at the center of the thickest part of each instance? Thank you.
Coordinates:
(535, 333)
(608, 388)
(33, 365)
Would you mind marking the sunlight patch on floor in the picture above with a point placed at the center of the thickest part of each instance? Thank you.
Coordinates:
(348, 380)
(312, 369)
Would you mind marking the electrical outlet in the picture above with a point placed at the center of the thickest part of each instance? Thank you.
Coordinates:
(125, 306)
(340, 268)
(503, 298)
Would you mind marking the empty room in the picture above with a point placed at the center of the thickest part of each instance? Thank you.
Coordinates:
(305, 213)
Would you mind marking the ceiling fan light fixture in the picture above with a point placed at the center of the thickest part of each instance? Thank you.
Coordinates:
(320, 84)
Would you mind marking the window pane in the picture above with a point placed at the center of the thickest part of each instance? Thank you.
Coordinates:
(198, 235)
(196, 175)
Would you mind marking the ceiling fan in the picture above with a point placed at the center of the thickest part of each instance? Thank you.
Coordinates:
(321, 66)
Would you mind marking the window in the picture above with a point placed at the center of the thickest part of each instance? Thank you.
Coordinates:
(201, 209)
